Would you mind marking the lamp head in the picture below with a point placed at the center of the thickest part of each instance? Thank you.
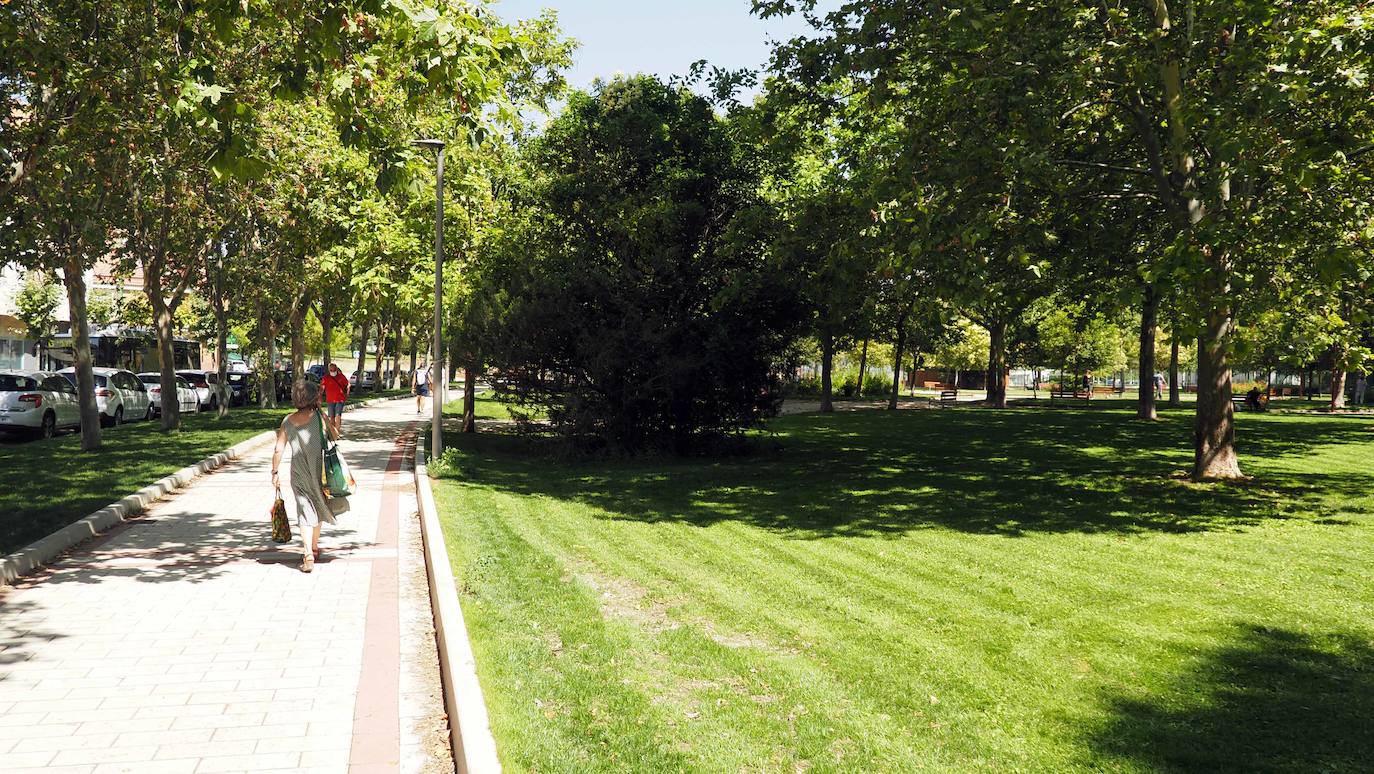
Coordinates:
(431, 144)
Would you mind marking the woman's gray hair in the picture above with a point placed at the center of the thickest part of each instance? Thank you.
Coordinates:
(305, 394)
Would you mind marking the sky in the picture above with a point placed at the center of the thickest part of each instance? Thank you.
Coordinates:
(661, 37)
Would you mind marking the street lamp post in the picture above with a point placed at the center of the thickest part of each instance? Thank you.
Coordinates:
(437, 379)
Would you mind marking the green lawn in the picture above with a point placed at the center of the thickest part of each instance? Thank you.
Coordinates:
(46, 485)
(945, 590)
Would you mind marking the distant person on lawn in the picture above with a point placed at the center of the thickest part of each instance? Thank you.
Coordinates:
(336, 390)
(419, 387)
(303, 430)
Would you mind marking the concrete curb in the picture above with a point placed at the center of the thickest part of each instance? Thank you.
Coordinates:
(474, 747)
(39, 553)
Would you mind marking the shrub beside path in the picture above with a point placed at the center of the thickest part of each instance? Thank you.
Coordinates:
(185, 640)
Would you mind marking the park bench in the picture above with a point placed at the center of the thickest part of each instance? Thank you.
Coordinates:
(1057, 394)
(949, 397)
(1240, 404)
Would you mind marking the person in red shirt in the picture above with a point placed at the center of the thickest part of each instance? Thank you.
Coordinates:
(335, 394)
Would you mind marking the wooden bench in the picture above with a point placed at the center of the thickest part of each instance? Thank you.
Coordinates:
(1058, 394)
(1240, 404)
(949, 397)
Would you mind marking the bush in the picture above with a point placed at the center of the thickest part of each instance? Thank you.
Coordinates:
(844, 384)
(639, 307)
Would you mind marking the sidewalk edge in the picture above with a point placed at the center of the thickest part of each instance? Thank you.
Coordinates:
(474, 747)
(44, 550)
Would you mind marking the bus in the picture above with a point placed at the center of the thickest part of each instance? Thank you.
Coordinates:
(131, 348)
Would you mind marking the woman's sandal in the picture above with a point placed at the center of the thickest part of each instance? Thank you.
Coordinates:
(308, 563)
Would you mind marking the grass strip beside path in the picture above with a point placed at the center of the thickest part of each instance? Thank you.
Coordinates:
(944, 590)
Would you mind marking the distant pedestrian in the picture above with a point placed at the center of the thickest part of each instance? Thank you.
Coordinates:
(1159, 385)
(336, 389)
(1361, 387)
(419, 387)
(304, 430)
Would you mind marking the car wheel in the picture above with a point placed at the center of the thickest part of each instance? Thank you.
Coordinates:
(119, 416)
(149, 414)
(48, 428)
(214, 403)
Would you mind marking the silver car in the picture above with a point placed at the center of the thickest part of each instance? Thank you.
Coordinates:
(187, 399)
(119, 395)
(37, 403)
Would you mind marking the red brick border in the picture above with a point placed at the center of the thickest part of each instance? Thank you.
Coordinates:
(377, 714)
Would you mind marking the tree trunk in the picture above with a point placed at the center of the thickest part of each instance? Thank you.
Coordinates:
(1337, 389)
(1149, 317)
(1214, 438)
(362, 352)
(298, 342)
(162, 322)
(381, 352)
(863, 367)
(827, 365)
(1175, 400)
(222, 362)
(267, 374)
(327, 328)
(997, 365)
(396, 333)
(470, 398)
(899, 347)
(414, 353)
(73, 277)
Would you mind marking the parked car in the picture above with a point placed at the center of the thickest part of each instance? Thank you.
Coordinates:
(187, 399)
(243, 387)
(369, 380)
(37, 403)
(208, 388)
(119, 395)
(316, 372)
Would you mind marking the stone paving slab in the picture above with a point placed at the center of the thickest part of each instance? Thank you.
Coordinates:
(185, 640)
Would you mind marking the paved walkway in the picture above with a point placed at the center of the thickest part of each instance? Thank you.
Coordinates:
(186, 641)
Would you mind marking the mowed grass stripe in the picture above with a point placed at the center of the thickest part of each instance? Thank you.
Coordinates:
(581, 718)
(1125, 629)
(671, 548)
(873, 618)
(807, 682)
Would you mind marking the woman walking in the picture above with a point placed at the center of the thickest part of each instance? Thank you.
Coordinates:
(304, 431)
(419, 387)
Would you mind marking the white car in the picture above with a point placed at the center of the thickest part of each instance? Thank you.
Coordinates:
(206, 385)
(187, 400)
(119, 395)
(37, 402)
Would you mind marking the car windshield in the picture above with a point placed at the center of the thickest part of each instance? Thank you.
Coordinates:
(15, 383)
(150, 378)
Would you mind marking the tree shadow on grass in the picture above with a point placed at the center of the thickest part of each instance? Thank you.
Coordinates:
(1269, 700)
(987, 472)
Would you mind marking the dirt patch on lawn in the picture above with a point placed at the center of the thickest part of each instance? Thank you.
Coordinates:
(625, 600)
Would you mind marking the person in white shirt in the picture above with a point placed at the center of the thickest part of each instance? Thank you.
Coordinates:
(419, 387)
